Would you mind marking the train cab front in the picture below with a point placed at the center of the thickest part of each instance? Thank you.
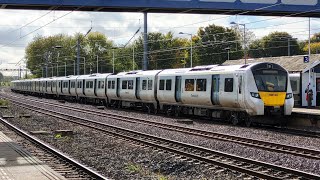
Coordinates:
(274, 89)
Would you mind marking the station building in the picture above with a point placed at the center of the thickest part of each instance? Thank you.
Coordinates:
(298, 67)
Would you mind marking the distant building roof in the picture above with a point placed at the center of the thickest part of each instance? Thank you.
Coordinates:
(290, 63)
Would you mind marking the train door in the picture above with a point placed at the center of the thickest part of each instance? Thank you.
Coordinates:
(240, 91)
(61, 87)
(178, 89)
(138, 88)
(118, 87)
(83, 87)
(95, 86)
(215, 89)
(318, 92)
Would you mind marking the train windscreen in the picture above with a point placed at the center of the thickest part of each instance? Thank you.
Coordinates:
(271, 80)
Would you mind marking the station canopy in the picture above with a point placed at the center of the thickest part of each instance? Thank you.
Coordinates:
(300, 8)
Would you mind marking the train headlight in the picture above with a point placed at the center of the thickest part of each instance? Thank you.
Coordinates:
(255, 95)
(288, 95)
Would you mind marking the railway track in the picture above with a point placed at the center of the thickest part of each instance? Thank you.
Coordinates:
(270, 146)
(66, 166)
(183, 150)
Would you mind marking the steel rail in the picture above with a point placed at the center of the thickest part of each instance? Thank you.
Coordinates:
(85, 169)
(196, 151)
(270, 146)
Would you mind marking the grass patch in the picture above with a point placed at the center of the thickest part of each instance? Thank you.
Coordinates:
(133, 168)
(4, 102)
(161, 177)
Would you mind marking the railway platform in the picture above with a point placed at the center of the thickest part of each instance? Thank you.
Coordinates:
(16, 163)
(306, 117)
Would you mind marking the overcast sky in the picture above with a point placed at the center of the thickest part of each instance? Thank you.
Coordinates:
(18, 28)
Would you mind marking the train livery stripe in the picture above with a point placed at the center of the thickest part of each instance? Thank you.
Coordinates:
(273, 98)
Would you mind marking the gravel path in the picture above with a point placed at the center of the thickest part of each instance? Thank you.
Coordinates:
(290, 161)
(112, 157)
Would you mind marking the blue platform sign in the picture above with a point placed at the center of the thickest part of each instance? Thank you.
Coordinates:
(306, 59)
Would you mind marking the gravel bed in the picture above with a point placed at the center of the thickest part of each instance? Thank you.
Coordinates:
(290, 161)
(255, 133)
(116, 159)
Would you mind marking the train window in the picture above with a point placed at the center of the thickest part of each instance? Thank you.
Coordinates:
(59, 84)
(65, 84)
(144, 85)
(109, 84)
(130, 84)
(102, 85)
(113, 85)
(168, 84)
(91, 84)
(294, 85)
(124, 84)
(78, 85)
(149, 84)
(161, 85)
(189, 85)
(228, 85)
(201, 84)
(99, 84)
(73, 84)
(87, 84)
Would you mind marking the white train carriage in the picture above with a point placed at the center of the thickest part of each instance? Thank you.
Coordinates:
(49, 87)
(42, 86)
(233, 92)
(15, 86)
(85, 88)
(73, 87)
(296, 89)
(146, 88)
(66, 85)
(37, 86)
(32, 86)
(167, 92)
(133, 89)
(59, 86)
(121, 89)
(100, 89)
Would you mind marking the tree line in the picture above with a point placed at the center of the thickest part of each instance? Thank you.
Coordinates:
(213, 44)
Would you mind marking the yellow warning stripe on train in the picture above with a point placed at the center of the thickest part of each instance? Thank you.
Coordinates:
(273, 98)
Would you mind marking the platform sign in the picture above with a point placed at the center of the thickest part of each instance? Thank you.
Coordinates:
(306, 59)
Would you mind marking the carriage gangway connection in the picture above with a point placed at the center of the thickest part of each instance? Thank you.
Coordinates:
(17, 163)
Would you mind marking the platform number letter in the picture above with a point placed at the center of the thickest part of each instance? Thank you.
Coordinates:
(306, 59)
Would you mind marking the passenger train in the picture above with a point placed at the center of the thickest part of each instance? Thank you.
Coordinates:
(237, 93)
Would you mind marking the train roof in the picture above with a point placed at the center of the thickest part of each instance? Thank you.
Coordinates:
(136, 73)
(93, 76)
(205, 69)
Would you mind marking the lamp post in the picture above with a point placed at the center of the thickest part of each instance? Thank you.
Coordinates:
(244, 40)
(190, 47)
(57, 47)
(112, 60)
(100, 49)
(78, 51)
